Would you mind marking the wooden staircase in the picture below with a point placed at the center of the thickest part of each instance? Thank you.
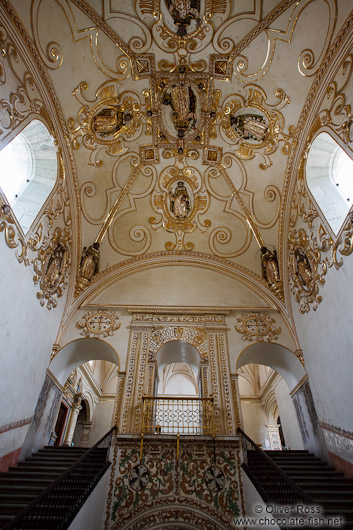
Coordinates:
(322, 483)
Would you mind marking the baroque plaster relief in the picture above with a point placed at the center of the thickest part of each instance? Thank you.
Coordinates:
(183, 486)
(313, 247)
(98, 324)
(257, 327)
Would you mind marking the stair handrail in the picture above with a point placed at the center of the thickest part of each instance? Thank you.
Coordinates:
(301, 493)
(45, 493)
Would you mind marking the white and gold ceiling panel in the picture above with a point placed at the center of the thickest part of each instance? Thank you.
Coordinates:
(181, 117)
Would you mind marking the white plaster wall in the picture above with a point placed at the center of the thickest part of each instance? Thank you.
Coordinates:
(327, 342)
(255, 421)
(289, 420)
(253, 500)
(102, 420)
(27, 334)
(91, 515)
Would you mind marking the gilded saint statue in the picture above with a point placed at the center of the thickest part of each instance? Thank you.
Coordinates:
(183, 12)
(56, 264)
(89, 265)
(183, 102)
(180, 201)
(270, 270)
(303, 268)
(250, 127)
(109, 121)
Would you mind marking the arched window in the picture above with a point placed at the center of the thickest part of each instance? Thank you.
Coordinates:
(329, 174)
(28, 171)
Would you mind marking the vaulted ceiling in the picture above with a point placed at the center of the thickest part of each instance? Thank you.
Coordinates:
(205, 93)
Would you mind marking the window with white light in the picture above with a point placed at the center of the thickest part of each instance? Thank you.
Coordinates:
(28, 172)
(329, 174)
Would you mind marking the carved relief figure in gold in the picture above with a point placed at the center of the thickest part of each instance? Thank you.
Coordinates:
(180, 201)
(57, 263)
(183, 102)
(89, 265)
(269, 263)
(183, 12)
(303, 268)
(109, 121)
(250, 127)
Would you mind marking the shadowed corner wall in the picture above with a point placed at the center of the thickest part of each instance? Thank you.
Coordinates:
(28, 332)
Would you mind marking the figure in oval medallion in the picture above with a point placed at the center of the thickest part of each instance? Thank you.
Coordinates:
(303, 268)
(180, 201)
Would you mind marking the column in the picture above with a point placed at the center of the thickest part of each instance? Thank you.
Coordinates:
(76, 407)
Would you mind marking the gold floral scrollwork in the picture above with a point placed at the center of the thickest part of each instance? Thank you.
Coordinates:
(180, 203)
(195, 336)
(258, 327)
(307, 271)
(104, 125)
(51, 268)
(99, 324)
(253, 126)
(12, 236)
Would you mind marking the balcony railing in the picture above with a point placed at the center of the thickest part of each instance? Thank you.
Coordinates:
(164, 415)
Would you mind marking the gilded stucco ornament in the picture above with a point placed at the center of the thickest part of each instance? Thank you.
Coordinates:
(51, 268)
(196, 336)
(180, 24)
(89, 267)
(258, 327)
(98, 324)
(182, 109)
(180, 200)
(307, 271)
(334, 117)
(113, 118)
(255, 127)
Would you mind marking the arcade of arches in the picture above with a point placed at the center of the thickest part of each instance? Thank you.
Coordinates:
(176, 232)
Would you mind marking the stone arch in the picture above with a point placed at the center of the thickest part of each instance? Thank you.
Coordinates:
(278, 357)
(194, 336)
(80, 351)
